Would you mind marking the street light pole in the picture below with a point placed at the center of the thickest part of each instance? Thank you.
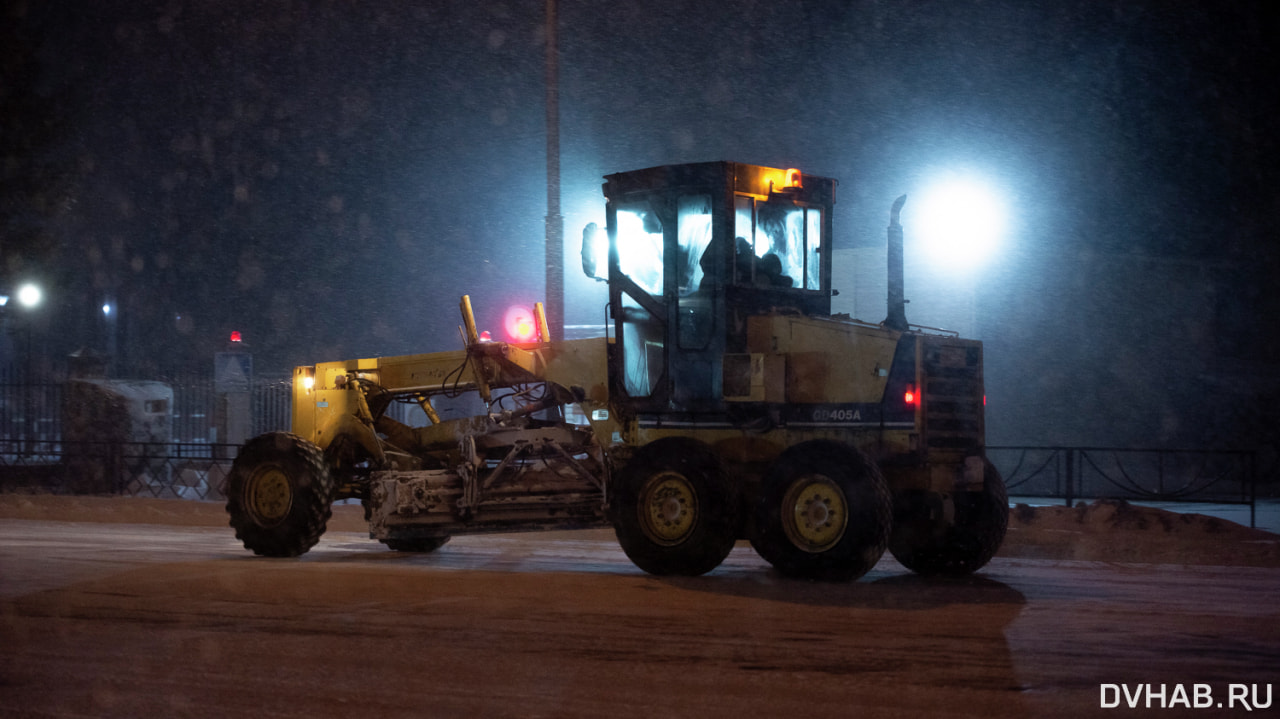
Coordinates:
(555, 222)
(28, 420)
(29, 296)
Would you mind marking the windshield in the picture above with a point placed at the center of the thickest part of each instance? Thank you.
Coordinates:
(778, 244)
(694, 225)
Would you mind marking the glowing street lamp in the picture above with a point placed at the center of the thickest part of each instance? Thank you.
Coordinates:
(960, 221)
(29, 295)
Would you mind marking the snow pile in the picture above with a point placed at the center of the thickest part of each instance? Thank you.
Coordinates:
(1116, 531)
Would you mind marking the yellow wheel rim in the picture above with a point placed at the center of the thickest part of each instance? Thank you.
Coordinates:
(269, 495)
(814, 513)
(668, 508)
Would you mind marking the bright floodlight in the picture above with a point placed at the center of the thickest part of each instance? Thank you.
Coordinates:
(958, 221)
(29, 295)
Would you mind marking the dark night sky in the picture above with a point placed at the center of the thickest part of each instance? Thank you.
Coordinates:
(329, 177)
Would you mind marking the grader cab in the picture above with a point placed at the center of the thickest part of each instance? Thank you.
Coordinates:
(725, 402)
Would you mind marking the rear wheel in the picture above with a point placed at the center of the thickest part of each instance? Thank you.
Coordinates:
(278, 495)
(824, 512)
(924, 542)
(675, 511)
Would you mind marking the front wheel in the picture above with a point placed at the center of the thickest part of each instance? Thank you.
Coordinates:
(674, 509)
(278, 495)
(924, 542)
(824, 512)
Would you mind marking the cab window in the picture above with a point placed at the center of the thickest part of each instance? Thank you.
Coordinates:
(699, 271)
(639, 245)
(778, 244)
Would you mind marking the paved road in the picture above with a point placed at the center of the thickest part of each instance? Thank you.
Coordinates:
(143, 620)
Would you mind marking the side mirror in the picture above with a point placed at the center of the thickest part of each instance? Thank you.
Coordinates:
(591, 247)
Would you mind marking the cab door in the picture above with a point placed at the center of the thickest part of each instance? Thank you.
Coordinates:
(668, 265)
(637, 293)
(697, 342)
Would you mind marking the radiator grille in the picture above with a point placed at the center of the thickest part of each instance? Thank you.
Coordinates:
(953, 392)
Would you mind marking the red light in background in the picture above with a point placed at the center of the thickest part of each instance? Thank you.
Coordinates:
(235, 335)
(910, 396)
(519, 324)
(485, 336)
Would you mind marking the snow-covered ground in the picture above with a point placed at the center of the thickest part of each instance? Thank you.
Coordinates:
(120, 607)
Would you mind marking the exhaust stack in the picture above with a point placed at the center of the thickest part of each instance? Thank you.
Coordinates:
(897, 319)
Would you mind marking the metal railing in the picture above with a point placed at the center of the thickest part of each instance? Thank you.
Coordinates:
(31, 412)
(34, 412)
(178, 470)
(198, 470)
(1151, 475)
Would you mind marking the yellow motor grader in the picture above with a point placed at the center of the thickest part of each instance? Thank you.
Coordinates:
(724, 402)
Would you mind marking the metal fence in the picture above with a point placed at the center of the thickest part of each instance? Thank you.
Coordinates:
(34, 455)
(195, 407)
(1151, 475)
(30, 412)
(178, 470)
(33, 412)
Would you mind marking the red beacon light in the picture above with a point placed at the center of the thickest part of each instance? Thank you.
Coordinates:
(235, 335)
(909, 396)
(520, 325)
